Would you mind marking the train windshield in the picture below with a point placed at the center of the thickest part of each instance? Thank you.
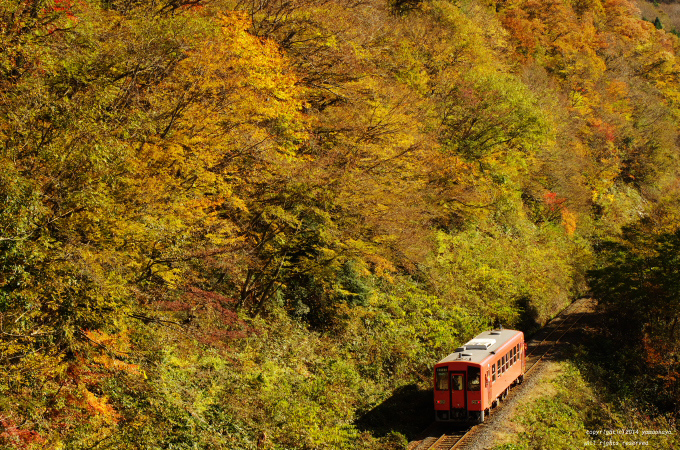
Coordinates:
(473, 379)
(442, 381)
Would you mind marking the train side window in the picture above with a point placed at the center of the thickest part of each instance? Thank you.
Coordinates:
(474, 382)
(442, 382)
(493, 373)
(498, 364)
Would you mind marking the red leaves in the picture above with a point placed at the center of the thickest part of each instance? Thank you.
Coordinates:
(557, 208)
(218, 323)
(12, 433)
(228, 324)
(553, 202)
(659, 354)
(603, 129)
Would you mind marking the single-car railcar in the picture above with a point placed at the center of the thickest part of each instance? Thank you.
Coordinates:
(472, 379)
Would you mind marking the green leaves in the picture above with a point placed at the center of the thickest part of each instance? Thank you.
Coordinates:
(489, 113)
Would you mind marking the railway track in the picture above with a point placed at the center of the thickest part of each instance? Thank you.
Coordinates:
(559, 326)
(445, 437)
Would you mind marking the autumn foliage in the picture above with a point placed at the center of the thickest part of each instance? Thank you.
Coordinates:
(222, 220)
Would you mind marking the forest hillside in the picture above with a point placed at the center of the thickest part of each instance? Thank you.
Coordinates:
(224, 222)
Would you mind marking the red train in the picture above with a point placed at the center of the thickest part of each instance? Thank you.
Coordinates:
(470, 381)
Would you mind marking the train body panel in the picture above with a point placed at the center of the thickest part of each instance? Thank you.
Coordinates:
(469, 380)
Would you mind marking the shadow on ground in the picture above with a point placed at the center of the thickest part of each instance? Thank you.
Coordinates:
(408, 411)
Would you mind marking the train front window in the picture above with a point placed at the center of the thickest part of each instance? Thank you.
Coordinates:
(442, 381)
(474, 382)
(457, 382)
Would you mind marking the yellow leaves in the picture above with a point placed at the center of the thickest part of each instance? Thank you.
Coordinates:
(568, 221)
(240, 74)
(112, 349)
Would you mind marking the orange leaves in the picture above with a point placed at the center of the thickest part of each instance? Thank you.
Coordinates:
(112, 348)
(557, 205)
(525, 28)
(552, 32)
(101, 407)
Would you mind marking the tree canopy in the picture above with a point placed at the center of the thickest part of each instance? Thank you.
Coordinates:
(224, 221)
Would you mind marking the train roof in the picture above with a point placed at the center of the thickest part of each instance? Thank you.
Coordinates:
(481, 346)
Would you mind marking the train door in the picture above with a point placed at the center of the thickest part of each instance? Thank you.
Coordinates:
(487, 385)
(458, 397)
(474, 386)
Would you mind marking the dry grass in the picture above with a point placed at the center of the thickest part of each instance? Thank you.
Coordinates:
(543, 388)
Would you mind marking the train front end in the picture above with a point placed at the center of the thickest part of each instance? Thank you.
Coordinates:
(457, 392)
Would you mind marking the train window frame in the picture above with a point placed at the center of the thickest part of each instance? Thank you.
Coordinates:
(442, 380)
(474, 373)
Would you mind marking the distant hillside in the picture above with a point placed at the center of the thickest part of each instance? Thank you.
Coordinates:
(667, 11)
